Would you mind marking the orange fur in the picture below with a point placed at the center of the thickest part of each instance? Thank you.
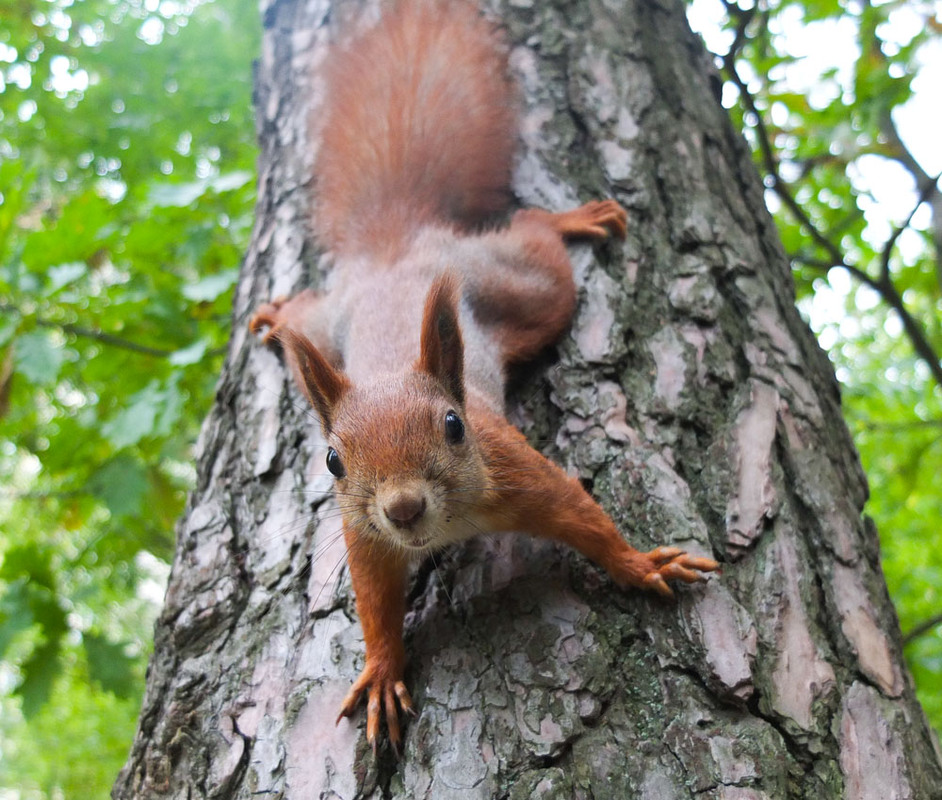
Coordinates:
(404, 360)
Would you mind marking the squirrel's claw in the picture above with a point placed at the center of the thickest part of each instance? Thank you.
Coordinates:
(391, 694)
(677, 571)
(349, 704)
(655, 582)
(405, 701)
(373, 716)
(392, 718)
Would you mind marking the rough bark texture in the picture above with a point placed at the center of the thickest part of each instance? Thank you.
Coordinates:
(691, 397)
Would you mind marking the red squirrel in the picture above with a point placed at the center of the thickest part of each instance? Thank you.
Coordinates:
(404, 358)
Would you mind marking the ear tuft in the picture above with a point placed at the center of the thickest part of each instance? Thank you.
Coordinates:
(442, 349)
(321, 383)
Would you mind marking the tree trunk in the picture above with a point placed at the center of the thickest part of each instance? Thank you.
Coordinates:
(689, 394)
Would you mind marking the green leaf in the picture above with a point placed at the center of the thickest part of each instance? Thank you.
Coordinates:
(37, 358)
(232, 180)
(109, 665)
(16, 616)
(172, 406)
(28, 560)
(210, 287)
(39, 672)
(182, 195)
(46, 612)
(63, 275)
(8, 325)
(122, 485)
(189, 355)
(176, 194)
(136, 421)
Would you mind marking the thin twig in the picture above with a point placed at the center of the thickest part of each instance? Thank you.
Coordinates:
(100, 336)
(925, 193)
(922, 628)
(105, 338)
(909, 425)
(90, 333)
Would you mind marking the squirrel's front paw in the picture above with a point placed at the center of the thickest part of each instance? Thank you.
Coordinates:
(294, 312)
(383, 691)
(672, 563)
(654, 569)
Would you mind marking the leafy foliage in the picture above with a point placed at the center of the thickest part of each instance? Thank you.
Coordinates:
(823, 90)
(127, 151)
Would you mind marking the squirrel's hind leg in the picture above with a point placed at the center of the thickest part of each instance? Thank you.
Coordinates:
(525, 295)
(598, 219)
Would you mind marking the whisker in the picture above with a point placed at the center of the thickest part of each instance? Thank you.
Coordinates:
(305, 410)
(441, 580)
(323, 547)
(472, 524)
(324, 492)
(290, 527)
(496, 490)
(330, 578)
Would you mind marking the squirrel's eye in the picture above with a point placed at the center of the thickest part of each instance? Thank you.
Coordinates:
(454, 428)
(334, 464)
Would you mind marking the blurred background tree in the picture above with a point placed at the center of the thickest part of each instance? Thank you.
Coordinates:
(127, 152)
(127, 158)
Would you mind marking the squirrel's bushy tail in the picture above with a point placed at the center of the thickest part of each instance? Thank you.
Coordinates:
(418, 127)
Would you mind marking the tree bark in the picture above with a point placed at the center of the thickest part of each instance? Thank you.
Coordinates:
(689, 394)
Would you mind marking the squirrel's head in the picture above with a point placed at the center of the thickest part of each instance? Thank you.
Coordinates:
(406, 462)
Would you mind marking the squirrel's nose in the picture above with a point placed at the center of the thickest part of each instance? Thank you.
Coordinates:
(405, 510)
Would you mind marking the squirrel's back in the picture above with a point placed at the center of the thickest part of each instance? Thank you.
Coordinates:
(418, 127)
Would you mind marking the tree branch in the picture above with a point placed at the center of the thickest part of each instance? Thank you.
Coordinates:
(922, 628)
(16, 494)
(106, 338)
(100, 336)
(926, 184)
(883, 285)
(90, 333)
(744, 17)
(909, 425)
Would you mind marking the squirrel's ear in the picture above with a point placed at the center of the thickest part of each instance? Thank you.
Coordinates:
(321, 383)
(442, 350)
